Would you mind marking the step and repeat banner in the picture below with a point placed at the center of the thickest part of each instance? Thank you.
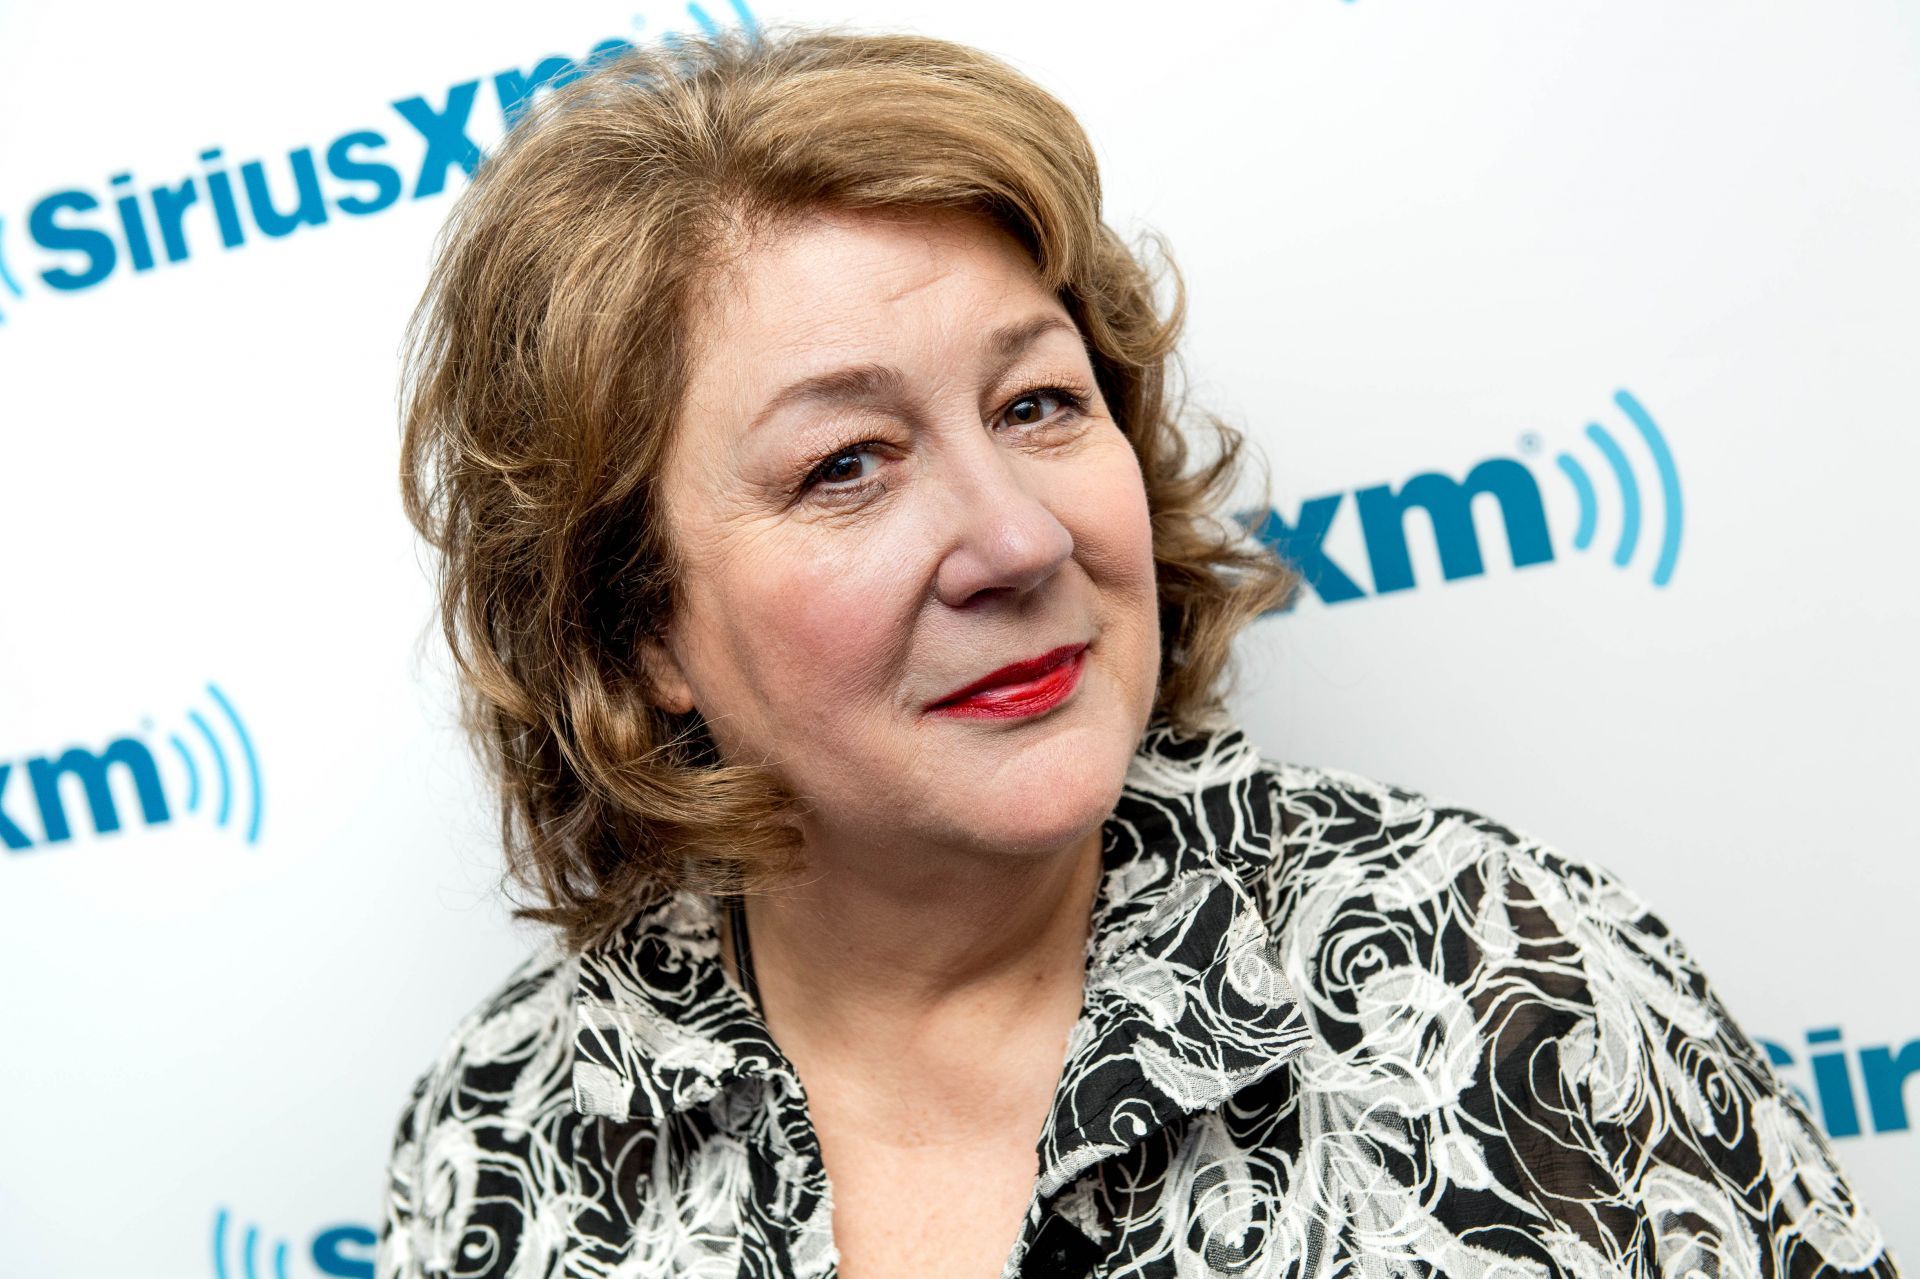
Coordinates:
(1579, 342)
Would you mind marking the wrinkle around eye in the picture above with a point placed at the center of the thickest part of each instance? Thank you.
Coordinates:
(1065, 430)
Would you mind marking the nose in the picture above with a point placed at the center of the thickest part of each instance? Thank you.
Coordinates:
(1005, 541)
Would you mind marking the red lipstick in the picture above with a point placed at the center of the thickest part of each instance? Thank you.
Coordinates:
(1022, 689)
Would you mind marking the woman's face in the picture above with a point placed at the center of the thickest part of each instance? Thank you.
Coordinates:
(893, 478)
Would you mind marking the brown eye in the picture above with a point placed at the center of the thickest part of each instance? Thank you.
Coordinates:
(1026, 410)
(843, 468)
(1034, 406)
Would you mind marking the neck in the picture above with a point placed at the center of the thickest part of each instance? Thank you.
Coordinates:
(883, 947)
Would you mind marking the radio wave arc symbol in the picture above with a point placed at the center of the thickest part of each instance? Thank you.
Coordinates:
(249, 1249)
(223, 782)
(6, 276)
(712, 28)
(708, 27)
(1623, 474)
(704, 20)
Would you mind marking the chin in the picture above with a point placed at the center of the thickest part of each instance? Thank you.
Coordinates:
(1054, 790)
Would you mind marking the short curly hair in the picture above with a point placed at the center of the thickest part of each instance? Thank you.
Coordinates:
(546, 364)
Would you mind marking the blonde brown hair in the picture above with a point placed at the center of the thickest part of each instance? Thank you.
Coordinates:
(546, 364)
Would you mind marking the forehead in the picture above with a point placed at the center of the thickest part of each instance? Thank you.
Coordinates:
(838, 285)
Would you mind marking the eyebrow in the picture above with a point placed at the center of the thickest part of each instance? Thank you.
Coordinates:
(870, 383)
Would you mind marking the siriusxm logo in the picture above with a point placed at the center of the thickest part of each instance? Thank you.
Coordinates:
(345, 1250)
(217, 777)
(1447, 504)
(82, 236)
(1880, 1071)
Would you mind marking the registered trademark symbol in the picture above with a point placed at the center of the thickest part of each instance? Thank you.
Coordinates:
(1529, 442)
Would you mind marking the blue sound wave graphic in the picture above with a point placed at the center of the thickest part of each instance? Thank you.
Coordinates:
(227, 783)
(712, 28)
(6, 276)
(249, 1251)
(704, 20)
(1631, 506)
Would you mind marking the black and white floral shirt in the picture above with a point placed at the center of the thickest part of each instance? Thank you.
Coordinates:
(1330, 1028)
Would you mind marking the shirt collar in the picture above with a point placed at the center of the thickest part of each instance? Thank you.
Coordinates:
(1185, 1002)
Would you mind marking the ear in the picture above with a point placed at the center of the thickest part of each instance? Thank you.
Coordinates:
(666, 681)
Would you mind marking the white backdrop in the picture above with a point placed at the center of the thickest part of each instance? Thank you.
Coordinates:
(1419, 238)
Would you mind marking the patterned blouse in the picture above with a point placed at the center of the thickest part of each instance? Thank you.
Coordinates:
(1330, 1028)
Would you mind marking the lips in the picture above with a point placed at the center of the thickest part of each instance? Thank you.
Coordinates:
(1022, 689)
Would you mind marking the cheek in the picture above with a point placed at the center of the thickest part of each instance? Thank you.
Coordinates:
(801, 626)
(1104, 506)
(1106, 511)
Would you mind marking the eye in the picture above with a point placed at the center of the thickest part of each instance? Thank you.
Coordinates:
(1034, 407)
(847, 467)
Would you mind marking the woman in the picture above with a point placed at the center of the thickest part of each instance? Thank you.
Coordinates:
(844, 619)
